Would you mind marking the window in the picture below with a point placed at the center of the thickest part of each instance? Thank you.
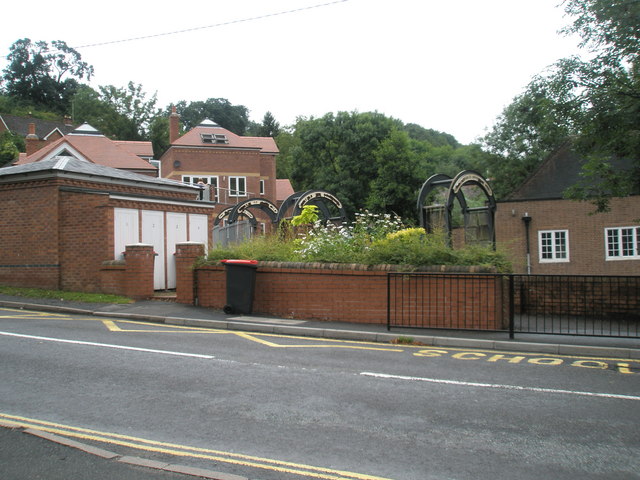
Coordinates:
(211, 180)
(261, 187)
(214, 138)
(622, 243)
(237, 186)
(554, 246)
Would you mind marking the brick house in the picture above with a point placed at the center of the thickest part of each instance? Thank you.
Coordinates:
(235, 167)
(36, 132)
(88, 144)
(547, 234)
(65, 223)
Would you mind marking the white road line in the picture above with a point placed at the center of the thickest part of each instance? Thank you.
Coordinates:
(504, 387)
(107, 345)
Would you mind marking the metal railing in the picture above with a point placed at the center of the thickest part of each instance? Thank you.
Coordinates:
(541, 304)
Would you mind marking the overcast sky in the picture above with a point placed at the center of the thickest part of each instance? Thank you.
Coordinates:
(450, 65)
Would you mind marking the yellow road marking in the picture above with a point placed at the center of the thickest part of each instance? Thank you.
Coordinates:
(185, 451)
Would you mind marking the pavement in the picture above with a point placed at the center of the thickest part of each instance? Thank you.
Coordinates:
(41, 455)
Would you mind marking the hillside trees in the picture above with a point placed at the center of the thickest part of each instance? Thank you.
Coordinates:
(45, 76)
(368, 160)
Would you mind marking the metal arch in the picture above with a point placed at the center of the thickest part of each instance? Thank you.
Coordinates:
(243, 207)
(221, 216)
(471, 177)
(320, 198)
(439, 179)
(288, 203)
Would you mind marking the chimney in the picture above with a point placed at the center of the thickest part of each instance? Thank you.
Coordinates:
(174, 125)
(31, 140)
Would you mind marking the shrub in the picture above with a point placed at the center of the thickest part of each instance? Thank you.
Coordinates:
(372, 239)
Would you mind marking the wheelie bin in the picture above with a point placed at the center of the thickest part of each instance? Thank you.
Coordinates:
(241, 282)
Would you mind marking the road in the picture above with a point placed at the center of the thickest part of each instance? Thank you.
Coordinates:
(275, 407)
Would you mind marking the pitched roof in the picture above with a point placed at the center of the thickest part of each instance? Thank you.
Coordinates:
(44, 128)
(559, 171)
(86, 143)
(74, 165)
(193, 138)
(141, 149)
(283, 189)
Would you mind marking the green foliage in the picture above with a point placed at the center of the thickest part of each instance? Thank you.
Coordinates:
(234, 118)
(308, 216)
(372, 239)
(63, 295)
(36, 74)
(10, 147)
(266, 248)
(119, 113)
(595, 102)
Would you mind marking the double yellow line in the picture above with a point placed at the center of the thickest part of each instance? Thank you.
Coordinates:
(183, 450)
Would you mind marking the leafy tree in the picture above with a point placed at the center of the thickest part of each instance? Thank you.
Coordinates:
(234, 118)
(434, 137)
(336, 153)
(10, 147)
(36, 74)
(159, 135)
(596, 102)
(131, 103)
(119, 113)
(396, 181)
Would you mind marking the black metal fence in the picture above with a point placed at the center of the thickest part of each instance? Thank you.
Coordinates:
(543, 304)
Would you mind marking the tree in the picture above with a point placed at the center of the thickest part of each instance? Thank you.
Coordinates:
(337, 153)
(270, 127)
(36, 74)
(234, 118)
(397, 180)
(119, 113)
(10, 147)
(595, 102)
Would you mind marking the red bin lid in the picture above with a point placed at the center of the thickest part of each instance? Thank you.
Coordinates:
(239, 262)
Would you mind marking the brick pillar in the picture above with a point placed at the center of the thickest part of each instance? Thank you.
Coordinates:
(139, 260)
(186, 255)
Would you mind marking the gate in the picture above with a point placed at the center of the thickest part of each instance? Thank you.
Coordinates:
(541, 304)
(232, 233)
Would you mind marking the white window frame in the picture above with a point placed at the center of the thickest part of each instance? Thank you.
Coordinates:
(208, 179)
(622, 243)
(557, 238)
(234, 186)
(262, 187)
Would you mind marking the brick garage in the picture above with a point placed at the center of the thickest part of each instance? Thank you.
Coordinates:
(57, 224)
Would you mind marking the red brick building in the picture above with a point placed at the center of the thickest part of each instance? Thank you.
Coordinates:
(547, 234)
(65, 223)
(235, 167)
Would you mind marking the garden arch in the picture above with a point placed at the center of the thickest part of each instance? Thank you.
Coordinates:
(320, 198)
(479, 221)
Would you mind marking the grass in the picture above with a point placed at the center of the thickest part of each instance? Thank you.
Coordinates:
(63, 295)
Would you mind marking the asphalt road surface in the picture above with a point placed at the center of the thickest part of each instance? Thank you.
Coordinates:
(272, 407)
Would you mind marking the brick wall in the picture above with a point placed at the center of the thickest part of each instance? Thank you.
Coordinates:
(587, 254)
(29, 235)
(328, 292)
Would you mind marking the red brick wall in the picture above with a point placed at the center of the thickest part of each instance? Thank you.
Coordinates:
(29, 235)
(586, 234)
(84, 231)
(332, 293)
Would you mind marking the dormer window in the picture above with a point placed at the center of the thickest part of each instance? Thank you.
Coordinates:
(218, 138)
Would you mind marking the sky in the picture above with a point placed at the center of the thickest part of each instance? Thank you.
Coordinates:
(448, 65)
